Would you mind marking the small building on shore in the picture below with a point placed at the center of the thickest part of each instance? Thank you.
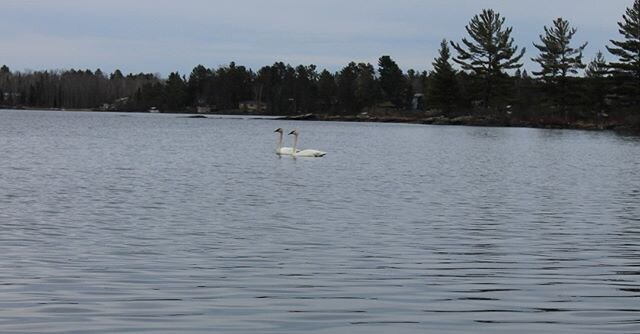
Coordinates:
(417, 103)
(253, 107)
(203, 109)
(10, 96)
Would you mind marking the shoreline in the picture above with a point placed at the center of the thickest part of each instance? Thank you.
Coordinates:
(471, 120)
(398, 118)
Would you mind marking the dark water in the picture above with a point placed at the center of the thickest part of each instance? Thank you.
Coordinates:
(154, 223)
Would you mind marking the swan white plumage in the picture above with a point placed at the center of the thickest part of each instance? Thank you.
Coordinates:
(279, 149)
(304, 153)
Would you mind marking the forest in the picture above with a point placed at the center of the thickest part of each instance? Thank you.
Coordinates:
(481, 75)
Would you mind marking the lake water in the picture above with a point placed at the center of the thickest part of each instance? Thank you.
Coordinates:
(130, 223)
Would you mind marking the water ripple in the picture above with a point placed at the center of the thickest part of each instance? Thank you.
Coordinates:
(155, 224)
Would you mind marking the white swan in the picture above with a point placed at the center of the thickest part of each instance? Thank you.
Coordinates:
(279, 149)
(304, 153)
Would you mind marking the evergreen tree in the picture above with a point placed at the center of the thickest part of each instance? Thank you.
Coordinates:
(346, 87)
(117, 81)
(596, 76)
(357, 87)
(627, 69)
(523, 87)
(175, 92)
(443, 91)
(277, 85)
(306, 87)
(392, 81)
(597, 68)
(263, 88)
(558, 59)
(150, 95)
(5, 80)
(490, 52)
(327, 90)
(198, 85)
(414, 81)
(233, 85)
(408, 92)
(366, 86)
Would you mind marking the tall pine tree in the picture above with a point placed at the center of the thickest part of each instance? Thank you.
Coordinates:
(596, 76)
(346, 86)
(366, 90)
(327, 91)
(175, 92)
(490, 52)
(392, 81)
(443, 91)
(627, 69)
(558, 59)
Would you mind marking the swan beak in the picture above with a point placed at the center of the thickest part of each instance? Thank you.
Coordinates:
(292, 132)
(278, 130)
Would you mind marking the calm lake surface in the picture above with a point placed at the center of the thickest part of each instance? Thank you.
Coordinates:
(114, 223)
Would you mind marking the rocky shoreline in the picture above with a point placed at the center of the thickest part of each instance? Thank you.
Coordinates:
(630, 125)
(479, 120)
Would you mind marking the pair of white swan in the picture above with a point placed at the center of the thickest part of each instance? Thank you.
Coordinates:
(294, 151)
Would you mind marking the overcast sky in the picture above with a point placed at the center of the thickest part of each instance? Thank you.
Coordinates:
(161, 36)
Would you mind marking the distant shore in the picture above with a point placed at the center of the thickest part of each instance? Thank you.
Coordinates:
(407, 117)
(471, 120)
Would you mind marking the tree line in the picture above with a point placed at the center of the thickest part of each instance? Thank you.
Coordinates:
(481, 74)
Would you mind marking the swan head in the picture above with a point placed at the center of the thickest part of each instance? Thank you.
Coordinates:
(279, 130)
(294, 132)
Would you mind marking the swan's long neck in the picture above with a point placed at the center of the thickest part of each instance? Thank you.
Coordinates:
(295, 142)
(279, 142)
